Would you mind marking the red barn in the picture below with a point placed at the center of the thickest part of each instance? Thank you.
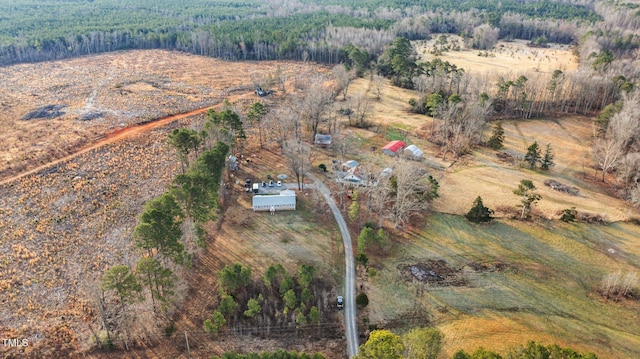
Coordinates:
(393, 148)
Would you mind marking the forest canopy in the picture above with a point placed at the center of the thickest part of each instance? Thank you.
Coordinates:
(38, 30)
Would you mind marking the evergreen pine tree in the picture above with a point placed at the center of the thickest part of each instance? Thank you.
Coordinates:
(479, 213)
(497, 137)
(569, 215)
(547, 159)
(533, 155)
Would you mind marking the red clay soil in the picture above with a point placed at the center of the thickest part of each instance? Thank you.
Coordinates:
(116, 136)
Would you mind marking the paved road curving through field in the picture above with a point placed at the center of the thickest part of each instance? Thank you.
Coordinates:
(350, 269)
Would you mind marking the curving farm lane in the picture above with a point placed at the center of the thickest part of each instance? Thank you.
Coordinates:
(350, 276)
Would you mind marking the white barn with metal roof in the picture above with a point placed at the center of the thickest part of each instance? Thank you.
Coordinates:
(286, 200)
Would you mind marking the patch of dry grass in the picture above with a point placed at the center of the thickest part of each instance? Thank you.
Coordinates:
(471, 332)
(544, 288)
(548, 291)
(486, 176)
(506, 57)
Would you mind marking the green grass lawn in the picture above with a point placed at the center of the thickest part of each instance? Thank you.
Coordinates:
(291, 238)
(548, 282)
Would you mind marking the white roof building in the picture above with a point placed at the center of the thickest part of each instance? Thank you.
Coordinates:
(286, 200)
(414, 152)
(351, 164)
(351, 178)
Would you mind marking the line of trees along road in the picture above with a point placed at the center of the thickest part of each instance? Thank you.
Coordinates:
(32, 31)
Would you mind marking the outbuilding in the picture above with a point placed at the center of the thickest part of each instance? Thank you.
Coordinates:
(286, 200)
(393, 148)
(232, 163)
(322, 140)
(350, 165)
(413, 152)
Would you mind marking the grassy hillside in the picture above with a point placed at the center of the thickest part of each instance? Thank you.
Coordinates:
(520, 281)
(510, 281)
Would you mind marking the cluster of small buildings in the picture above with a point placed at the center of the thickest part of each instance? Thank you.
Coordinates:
(398, 148)
(349, 172)
(352, 173)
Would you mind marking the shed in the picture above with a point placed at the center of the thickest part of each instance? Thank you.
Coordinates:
(350, 164)
(232, 163)
(413, 152)
(393, 148)
(322, 140)
(286, 200)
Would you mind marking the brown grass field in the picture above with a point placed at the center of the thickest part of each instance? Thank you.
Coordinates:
(61, 226)
(506, 57)
(549, 289)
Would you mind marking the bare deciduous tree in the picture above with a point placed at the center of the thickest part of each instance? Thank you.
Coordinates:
(298, 156)
(421, 83)
(342, 79)
(280, 77)
(378, 84)
(629, 170)
(619, 141)
(378, 197)
(98, 297)
(462, 125)
(282, 125)
(312, 107)
(410, 192)
(485, 37)
(635, 195)
(361, 110)
(606, 152)
(342, 142)
(624, 126)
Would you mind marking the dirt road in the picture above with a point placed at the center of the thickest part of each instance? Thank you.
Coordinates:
(115, 137)
(350, 272)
